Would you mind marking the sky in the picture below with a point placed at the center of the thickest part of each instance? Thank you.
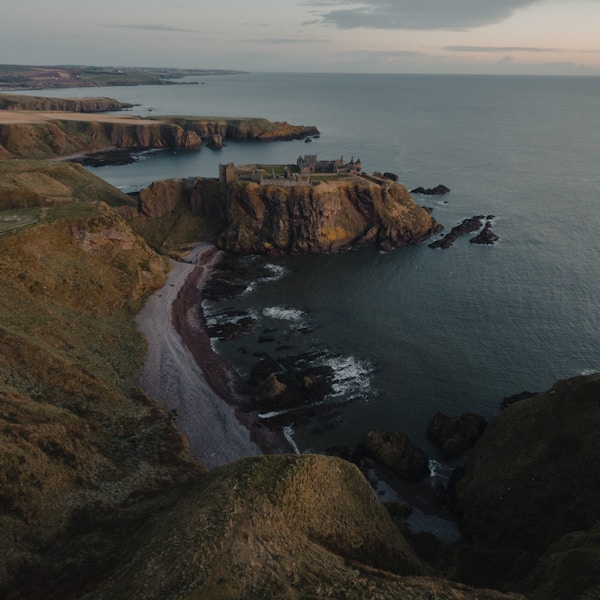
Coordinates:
(557, 37)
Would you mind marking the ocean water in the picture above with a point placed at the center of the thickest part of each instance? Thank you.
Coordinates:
(417, 330)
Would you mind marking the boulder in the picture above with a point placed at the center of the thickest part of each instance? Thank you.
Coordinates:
(395, 451)
(454, 435)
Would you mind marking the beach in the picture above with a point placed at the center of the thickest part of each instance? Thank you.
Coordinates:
(182, 373)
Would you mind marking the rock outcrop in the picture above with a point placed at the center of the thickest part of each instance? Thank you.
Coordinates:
(529, 494)
(486, 236)
(466, 226)
(454, 435)
(395, 451)
(438, 190)
(327, 217)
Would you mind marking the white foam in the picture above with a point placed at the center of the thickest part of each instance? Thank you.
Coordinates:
(439, 473)
(350, 375)
(284, 313)
(278, 272)
(288, 432)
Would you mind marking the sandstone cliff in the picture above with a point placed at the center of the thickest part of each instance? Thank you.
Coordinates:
(243, 128)
(249, 218)
(56, 138)
(326, 217)
(49, 135)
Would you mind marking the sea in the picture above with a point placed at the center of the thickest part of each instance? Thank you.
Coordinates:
(416, 330)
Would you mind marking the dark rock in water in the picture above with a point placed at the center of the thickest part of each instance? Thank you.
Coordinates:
(467, 226)
(232, 330)
(454, 435)
(267, 366)
(114, 157)
(438, 190)
(486, 236)
(305, 383)
(395, 451)
(510, 400)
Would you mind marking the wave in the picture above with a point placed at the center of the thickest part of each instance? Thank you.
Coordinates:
(351, 375)
(277, 272)
(284, 313)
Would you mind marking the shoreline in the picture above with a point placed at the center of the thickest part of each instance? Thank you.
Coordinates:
(182, 372)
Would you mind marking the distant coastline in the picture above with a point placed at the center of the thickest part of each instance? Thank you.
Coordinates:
(27, 77)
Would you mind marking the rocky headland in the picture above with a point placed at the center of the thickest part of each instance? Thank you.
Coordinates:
(52, 133)
(328, 216)
(100, 495)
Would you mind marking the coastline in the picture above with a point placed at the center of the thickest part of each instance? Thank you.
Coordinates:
(183, 373)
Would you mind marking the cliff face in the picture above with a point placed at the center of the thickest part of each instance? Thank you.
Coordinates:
(323, 218)
(243, 128)
(49, 136)
(60, 138)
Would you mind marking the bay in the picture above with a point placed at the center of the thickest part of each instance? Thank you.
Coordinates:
(419, 330)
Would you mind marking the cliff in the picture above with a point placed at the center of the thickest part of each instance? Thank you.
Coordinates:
(249, 218)
(79, 105)
(54, 134)
(243, 128)
(326, 217)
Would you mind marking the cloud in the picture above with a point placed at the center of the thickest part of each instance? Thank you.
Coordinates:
(498, 49)
(284, 41)
(150, 27)
(421, 15)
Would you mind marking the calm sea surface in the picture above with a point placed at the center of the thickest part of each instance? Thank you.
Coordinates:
(418, 330)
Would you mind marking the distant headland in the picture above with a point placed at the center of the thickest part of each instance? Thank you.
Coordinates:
(25, 77)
